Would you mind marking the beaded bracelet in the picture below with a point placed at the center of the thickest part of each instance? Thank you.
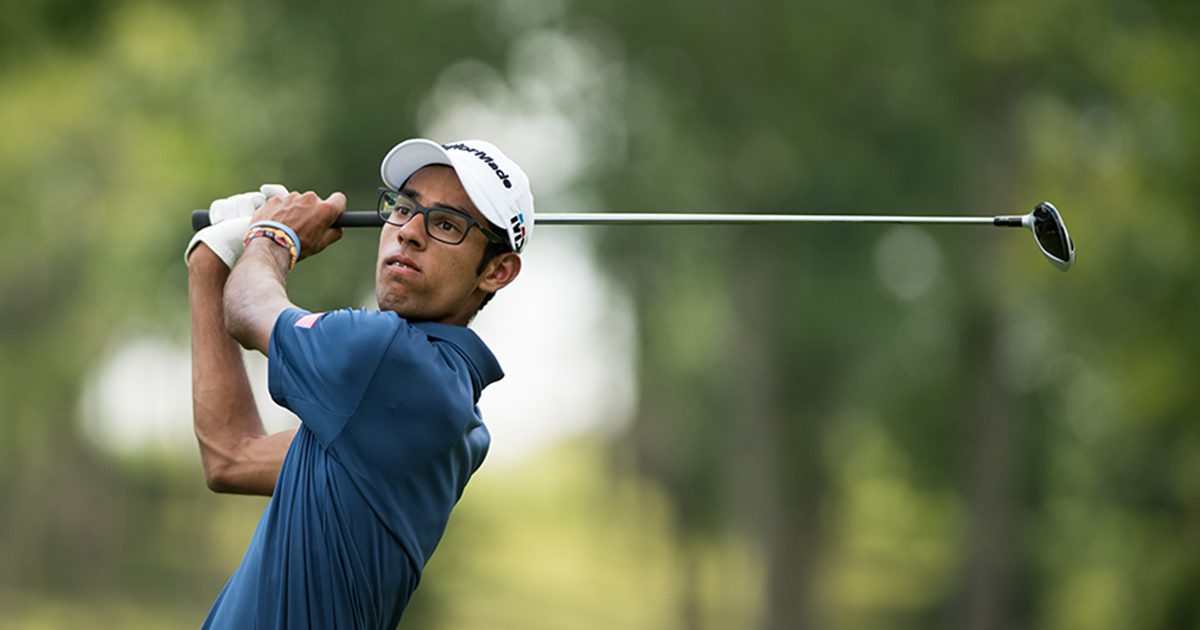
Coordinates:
(277, 232)
(280, 226)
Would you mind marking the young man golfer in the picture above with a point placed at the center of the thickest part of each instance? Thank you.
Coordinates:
(390, 432)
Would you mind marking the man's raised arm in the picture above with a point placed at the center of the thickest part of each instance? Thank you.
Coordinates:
(238, 454)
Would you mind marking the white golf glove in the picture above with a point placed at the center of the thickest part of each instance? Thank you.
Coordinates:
(230, 218)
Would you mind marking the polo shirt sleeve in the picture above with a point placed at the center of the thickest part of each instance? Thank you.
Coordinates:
(321, 364)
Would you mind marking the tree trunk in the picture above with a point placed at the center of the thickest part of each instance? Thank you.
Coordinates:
(984, 601)
(774, 491)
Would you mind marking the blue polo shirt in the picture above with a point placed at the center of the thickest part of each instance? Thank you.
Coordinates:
(390, 435)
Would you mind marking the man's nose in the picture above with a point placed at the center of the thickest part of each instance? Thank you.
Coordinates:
(414, 230)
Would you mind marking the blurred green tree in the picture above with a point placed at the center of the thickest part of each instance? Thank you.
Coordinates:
(762, 349)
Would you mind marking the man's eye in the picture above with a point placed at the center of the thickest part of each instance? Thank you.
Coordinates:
(403, 211)
(448, 226)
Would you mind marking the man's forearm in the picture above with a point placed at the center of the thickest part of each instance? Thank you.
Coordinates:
(255, 294)
(238, 454)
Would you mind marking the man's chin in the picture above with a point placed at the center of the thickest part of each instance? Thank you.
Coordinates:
(386, 302)
(416, 309)
(405, 310)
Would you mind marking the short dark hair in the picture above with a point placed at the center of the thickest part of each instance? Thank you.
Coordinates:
(490, 253)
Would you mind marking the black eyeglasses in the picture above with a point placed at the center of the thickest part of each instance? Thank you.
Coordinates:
(442, 224)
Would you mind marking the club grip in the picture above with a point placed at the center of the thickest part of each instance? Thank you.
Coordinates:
(344, 220)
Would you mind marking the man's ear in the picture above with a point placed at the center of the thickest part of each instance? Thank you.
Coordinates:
(500, 271)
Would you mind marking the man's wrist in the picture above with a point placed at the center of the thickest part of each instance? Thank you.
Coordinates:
(277, 253)
(277, 233)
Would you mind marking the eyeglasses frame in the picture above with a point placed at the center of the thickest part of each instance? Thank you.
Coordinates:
(424, 212)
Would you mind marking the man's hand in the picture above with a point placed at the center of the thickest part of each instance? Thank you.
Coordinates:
(255, 294)
(230, 219)
(308, 215)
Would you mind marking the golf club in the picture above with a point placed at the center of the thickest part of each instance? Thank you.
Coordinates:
(1047, 225)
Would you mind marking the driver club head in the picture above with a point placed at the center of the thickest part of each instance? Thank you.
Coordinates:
(1051, 235)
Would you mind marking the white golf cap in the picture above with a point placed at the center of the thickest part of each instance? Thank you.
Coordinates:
(496, 185)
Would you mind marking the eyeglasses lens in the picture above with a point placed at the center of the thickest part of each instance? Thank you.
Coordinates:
(447, 227)
(1050, 234)
(392, 209)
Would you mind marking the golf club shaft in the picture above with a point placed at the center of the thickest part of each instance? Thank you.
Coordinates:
(738, 219)
(371, 219)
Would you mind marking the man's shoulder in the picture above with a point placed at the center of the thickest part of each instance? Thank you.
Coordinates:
(354, 332)
(346, 320)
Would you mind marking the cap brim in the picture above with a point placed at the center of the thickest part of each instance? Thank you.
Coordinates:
(410, 156)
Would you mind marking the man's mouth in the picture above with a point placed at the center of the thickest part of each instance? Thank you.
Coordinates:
(402, 263)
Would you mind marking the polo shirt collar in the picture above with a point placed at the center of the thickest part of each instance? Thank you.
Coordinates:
(485, 369)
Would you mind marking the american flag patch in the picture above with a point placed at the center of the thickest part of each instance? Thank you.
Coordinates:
(308, 320)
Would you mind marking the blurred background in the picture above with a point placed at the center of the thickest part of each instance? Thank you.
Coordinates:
(835, 427)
